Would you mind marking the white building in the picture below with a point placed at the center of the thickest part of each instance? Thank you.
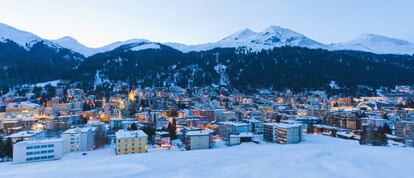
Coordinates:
(195, 140)
(37, 150)
(283, 133)
(78, 139)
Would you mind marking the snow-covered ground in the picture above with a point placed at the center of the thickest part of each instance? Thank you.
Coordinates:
(318, 156)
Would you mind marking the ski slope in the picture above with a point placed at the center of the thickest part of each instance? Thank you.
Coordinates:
(318, 156)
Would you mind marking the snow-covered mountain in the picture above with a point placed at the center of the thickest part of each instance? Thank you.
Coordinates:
(22, 38)
(273, 36)
(74, 45)
(377, 44)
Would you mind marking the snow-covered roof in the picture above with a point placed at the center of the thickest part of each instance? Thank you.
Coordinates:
(77, 130)
(243, 134)
(24, 134)
(237, 124)
(283, 125)
(30, 142)
(130, 134)
(198, 133)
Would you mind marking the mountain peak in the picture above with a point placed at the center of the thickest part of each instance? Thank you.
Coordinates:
(280, 31)
(67, 39)
(242, 34)
(377, 44)
(22, 38)
(380, 38)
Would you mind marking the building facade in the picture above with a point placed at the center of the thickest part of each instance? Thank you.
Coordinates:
(130, 142)
(283, 133)
(195, 140)
(78, 139)
(37, 150)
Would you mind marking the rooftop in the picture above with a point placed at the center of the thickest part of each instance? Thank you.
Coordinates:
(130, 134)
(197, 133)
(24, 134)
(27, 142)
(283, 125)
(77, 130)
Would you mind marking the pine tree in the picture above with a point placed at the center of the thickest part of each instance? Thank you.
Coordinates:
(387, 129)
(133, 127)
(150, 131)
(100, 139)
(2, 149)
(172, 129)
(9, 149)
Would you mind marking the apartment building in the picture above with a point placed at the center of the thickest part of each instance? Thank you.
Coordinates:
(37, 150)
(129, 142)
(283, 133)
(78, 139)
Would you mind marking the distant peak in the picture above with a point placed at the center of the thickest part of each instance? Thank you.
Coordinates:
(242, 34)
(67, 38)
(370, 36)
(380, 38)
(245, 31)
(275, 27)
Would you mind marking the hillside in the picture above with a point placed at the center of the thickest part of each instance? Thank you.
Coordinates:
(279, 68)
(320, 156)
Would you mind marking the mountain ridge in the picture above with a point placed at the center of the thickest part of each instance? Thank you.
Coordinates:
(272, 36)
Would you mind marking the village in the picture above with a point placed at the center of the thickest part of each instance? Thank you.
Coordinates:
(47, 121)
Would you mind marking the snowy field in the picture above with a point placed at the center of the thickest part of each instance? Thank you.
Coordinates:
(318, 156)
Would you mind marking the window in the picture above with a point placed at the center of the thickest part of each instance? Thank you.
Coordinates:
(36, 158)
(50, 156)
(43, 157)
(36, 152)
(44, 151)
(29, 153)
(72, 142)
(29, 159)
(72, 138)
(29, 147)
(50, 145)
(44, 146)
(36, 147)
(50, 151)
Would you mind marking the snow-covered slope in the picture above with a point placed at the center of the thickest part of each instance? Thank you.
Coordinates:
(22, 38)
(316, 157)
(143, 46)
(117, 44)
(377, 44)
(273, 36)
(72, 44)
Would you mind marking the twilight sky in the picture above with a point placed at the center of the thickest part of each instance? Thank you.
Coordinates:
(99, 22)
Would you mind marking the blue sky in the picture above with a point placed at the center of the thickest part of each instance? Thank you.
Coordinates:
(99, 22)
